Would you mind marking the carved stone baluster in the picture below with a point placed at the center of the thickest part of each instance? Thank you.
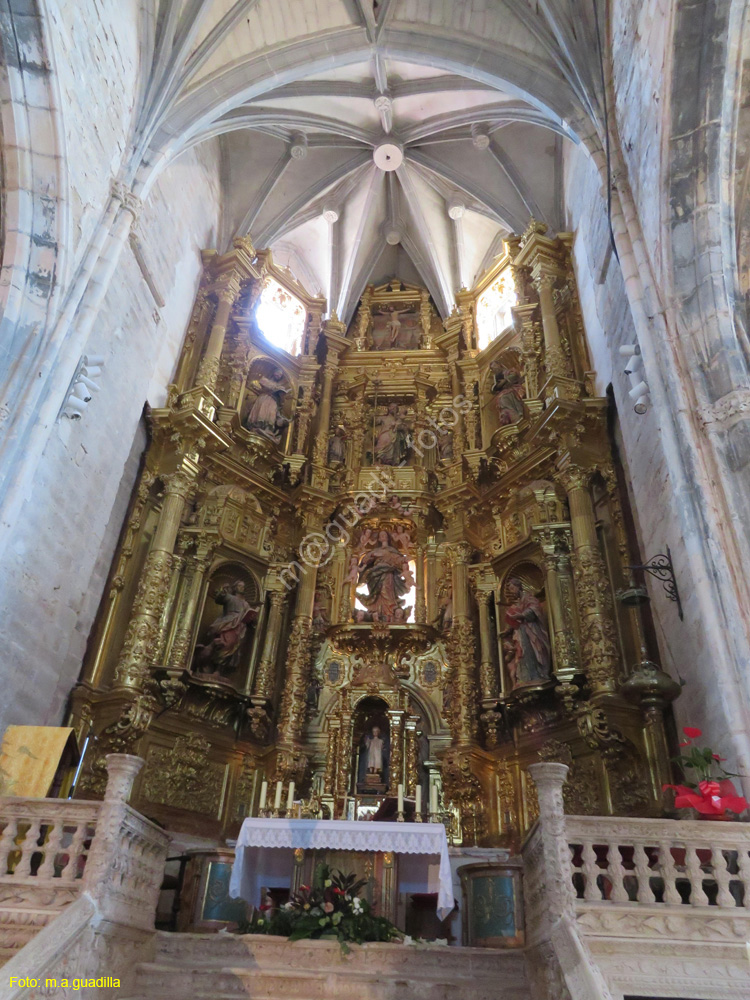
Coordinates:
(7, 843)
(643, 872)
(591, 873)
(615, 873)
(692, 862)
(52, 847)
(721, 874)
(743, 863)
(668, 872)
(29, 848)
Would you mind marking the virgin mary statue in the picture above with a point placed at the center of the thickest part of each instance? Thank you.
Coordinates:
(385, 572)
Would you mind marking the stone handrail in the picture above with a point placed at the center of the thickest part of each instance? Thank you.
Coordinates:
(624, 861)
(45, 841)
(111, 917)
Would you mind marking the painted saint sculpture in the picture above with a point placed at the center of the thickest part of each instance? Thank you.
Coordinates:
(220, 651)
(527, 644)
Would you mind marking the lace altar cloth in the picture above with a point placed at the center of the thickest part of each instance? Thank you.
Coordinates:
(343, 835)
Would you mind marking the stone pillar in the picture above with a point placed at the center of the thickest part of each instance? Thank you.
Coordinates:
(487, 672)
(142, 636)
(554, 356)
(122, 769)
(461, 648)
(265, 680)
(549, 779)
(600, 651)
(396, 765)
(420, 610)
(208, 369)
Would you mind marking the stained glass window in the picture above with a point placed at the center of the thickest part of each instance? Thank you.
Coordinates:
(494, 308)
(280, 317)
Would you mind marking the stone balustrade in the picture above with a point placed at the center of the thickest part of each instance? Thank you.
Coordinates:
(45, 841)
(101, 862)
(618, 860)
(619, 906)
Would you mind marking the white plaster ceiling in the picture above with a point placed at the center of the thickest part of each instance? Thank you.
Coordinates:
(302, 91)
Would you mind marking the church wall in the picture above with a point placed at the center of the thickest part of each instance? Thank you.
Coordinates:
(52, 582)
(95, 51)
(685, 647)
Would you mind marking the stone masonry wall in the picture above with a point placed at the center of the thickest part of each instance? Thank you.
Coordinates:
(53, 579)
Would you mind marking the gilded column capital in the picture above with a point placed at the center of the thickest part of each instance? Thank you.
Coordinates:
(228, 290)
(543, 281)
(459, 553)
(576, 477)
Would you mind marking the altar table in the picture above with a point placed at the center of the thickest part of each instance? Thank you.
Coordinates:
(259, 837)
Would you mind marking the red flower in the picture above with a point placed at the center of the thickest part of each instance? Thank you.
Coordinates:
(266, 906)
(712, 798)
(717, 757)
(304, 888)
(339, 892)
(692, 732)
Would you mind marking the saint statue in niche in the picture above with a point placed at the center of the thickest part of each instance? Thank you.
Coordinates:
(526, 640)
(220, 651)
(372, 773)
(391, 435)
(266, 413)
(385, 572)
(509, 393)
(337, 447)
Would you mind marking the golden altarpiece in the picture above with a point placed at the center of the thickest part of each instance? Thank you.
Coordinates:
(390, 555)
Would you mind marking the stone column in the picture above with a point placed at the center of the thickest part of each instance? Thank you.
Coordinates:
(208, 369)
(122, 769)
(549, 779)
(600, 651)
(554, 356)
(487, 672)
(265, 680)
(461, 648)
(142, 636)
(396, 765)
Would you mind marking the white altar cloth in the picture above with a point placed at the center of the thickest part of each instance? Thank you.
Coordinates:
(343, 835)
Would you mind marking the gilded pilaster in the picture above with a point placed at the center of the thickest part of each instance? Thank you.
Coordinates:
(208, 369)
(487, 672)
(599, 635)
(461, 648)
(411, 755)
(143, 633)
(396, 766)
(265, 681)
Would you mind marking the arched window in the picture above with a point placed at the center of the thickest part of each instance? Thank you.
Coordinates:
(494, 308)
(280, 317)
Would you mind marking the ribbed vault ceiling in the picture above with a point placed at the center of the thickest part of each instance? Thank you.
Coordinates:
(476, 97)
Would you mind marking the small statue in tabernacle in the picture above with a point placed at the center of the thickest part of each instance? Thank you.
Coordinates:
(509, 393)
(385, 572)
(526, 640)
(337, 447)
(266, 414)
(445, 445)
(220, 651)
(391, 437)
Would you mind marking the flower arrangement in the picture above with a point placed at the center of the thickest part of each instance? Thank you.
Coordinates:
(710, 795)
(330, 908)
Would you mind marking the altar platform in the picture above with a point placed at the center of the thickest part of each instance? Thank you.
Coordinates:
(394, 857)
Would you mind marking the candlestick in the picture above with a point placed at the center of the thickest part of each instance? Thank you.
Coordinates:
(277, 801)
(400, 817)
(418, 804)
(433, 799)
(290, 798)
(263, 796)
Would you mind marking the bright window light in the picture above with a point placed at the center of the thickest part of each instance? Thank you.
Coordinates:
(280, 317)
(494, 308)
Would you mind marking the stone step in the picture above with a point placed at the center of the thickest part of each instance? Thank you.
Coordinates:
(228, 967)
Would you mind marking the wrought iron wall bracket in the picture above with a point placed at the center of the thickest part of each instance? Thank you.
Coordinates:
(660, 567)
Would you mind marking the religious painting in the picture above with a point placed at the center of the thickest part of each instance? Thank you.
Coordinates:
(396, 327)
(527, 650)
(492, 910)
(227, 631)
